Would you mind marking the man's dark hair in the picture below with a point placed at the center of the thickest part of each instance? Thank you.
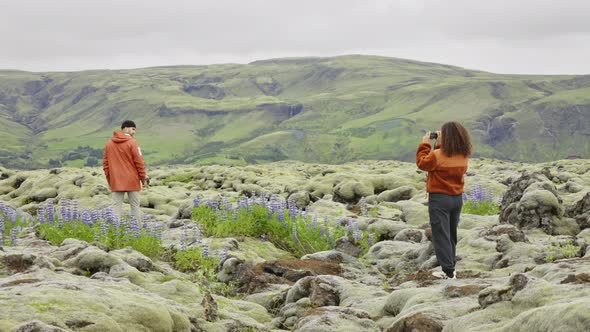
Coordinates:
(455, 139)
(128, 124)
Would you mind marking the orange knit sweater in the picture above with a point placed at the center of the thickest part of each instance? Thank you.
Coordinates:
(445, 174)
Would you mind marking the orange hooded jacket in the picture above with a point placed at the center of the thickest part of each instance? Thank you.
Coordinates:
(123, 163)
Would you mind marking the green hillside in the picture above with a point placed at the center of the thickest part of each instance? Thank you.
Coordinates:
(311, 109)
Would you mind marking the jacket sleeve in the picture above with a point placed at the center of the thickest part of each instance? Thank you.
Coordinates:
(425, 160)
(105, 166)
(138, 160)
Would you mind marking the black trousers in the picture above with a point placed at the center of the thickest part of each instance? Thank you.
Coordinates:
(444, 211)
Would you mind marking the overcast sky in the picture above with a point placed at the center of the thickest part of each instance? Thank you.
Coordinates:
(502, 36)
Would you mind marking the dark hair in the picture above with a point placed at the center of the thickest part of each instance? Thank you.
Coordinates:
(455, 139)
(128, 124)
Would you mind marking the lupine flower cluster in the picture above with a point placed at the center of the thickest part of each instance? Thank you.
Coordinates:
(12, 222)
(363, 206)
(276, 220)
(101, 225)
(480, 201)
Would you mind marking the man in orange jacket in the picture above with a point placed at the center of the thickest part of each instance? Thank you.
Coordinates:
(124, 168)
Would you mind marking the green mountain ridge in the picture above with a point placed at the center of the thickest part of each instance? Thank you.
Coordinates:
(327, 110)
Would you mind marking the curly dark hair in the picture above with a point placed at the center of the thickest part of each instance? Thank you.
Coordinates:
(455, 139)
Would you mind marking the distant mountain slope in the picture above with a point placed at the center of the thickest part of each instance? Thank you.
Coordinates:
(312, 109)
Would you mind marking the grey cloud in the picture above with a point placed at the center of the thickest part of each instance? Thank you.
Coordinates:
(74, 34)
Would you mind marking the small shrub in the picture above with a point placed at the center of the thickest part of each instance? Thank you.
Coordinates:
(193, 259)
(558, 251)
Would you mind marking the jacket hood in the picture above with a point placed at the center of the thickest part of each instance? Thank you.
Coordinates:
(120, 137)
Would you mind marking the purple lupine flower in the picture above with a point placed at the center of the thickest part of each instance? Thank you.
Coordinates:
(183, 238)
(315, 221)
(153, 231)
(205, 251)
(294, 231)
(480, 193)
(103, 228)
(13, 216)
(242, 202)
(61, 210)
(217, 212)
(50, 212)
(357, 235)
(464, 196)
(363, 206)
(86, 218)
(293, 212)
(135, 227)
(323, 230)
(491, 195)
(200, 235)
(60, 223)
(94, 216)
(330, 234)
(96, 236)
(370, 240)
(69, 214)
(250, 203)
(262, 198)
(116, 225)
(159, 228)
(41, 213)
(109, 215)
(195, 232)
(75, 214)
(13, 237)
(349, 226)
(216, 253)
(197, 202)
(281, 215)
(224, 201)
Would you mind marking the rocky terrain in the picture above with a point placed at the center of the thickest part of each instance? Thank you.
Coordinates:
(526, 268)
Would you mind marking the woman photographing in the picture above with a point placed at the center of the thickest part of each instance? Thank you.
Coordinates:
(446, 167)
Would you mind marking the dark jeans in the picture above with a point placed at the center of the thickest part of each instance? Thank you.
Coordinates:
(444, 211)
